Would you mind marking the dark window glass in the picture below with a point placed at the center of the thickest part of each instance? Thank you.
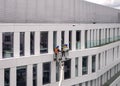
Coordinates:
(21, 76)
(7, 77)
(43, 42)
(85, 65)
(62, 38)
(76, 66)
(93, 38)
(46, 73)
(106, 35)
(109, 36)
(93, 63)
(113, 53)
(86, 42)
(100, 37)
(32, 41)
(70, 40)
(22, 44)
(67, 69)
(78, 38)
(34, 75)
(7, 44)
(57, 71)
(99, 61)
(117, 33)
(54, 39)
(113, 34)
(105, 58)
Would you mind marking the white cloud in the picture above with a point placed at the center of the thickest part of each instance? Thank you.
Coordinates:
(96, 1)
(117, 7)
(111, 3)
(102, 1)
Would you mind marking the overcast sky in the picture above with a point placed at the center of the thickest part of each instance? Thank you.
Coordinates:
(112, 3)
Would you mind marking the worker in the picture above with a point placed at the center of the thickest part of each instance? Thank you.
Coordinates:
(65, 49)
(56, 51)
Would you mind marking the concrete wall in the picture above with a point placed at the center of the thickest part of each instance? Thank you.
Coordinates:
(55, 11)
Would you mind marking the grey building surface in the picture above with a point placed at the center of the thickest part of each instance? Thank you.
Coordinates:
(55, 11)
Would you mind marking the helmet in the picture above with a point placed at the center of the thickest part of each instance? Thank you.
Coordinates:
(57, 46)
(65, 44)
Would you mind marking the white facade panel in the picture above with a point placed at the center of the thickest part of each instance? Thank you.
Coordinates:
(37, 43)
(17, 44)
(30, 75)
(27, 43)
(13, 78)
(2, 77)
(97, 77)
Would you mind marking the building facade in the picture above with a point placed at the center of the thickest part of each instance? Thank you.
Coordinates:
(31, 29)
(27, 54)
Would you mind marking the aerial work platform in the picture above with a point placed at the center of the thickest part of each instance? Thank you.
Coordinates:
(60, 58)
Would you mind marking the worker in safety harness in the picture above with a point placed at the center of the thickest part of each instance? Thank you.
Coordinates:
(56, 51)
(65, 49)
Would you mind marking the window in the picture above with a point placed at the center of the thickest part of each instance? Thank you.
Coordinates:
(86, 35)
(62, 38)
(34, 75)
(7, 77)
(46, 73)
(117, 33)
(54, 39)
(85, 65)
(99, 56)
(44, 42)
(105, 58)
(106, 38)
(91, 84)
(93, 38)
(93, 63)
(100, 37)
(32, 41)
(7, 44)
(21, 76)
(22, 44)
(113, 54)
(117, 51)
(78, 39)
(76, 66)
(109, 36)
(67, 69)
(57, 71)
(86, 83)
(90, 39)
(70, 40)
(113, 34)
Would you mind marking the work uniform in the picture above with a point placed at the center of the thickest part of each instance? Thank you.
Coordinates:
(56, 51)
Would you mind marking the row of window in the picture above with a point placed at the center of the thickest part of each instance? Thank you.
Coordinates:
(107, 57)
(21, 72)
(8, 43)
(100, 81)
(8, 40)
(100, 37)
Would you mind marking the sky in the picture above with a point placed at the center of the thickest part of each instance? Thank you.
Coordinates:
(111, 3)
